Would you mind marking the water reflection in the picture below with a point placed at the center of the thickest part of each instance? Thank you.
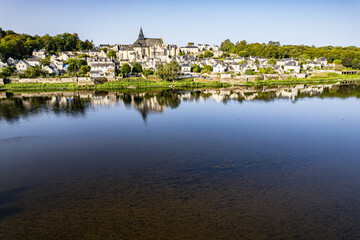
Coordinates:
(16, 105)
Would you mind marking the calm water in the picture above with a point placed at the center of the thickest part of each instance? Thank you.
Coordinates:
(280, 163)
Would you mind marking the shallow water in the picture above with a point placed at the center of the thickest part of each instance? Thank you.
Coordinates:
(240, 163)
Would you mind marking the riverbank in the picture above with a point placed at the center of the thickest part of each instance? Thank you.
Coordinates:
(148, 84)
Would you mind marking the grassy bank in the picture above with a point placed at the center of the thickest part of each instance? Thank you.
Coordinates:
(311, 80)
(132, 83)
(145, 84)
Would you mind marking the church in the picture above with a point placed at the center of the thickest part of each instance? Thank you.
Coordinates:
(147, 48)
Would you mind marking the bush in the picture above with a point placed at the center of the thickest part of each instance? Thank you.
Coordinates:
(249, 72)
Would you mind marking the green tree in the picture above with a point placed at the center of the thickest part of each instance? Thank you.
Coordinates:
(256, 62)
(111, 54)
(337, 62)
(272, 61)
(169, 71)
(208, 54)
(137, 68)
(84, 69)
(190, 44)
(33, 72)
(125, 69)
(249, 72)
(7, 72)
(148, 72)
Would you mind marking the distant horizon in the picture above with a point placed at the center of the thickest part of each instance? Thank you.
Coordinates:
(316, 22)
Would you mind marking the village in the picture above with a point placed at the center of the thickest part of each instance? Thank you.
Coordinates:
(194, 60)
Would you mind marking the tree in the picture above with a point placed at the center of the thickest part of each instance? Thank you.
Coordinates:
(257, 62)
(137, 68)
(148, 72)
(33, 72)
(195, 68)
(169, 71)
(207, 69)
(45, 61)
(85, 69)
(355, 64)
(272, 61)
(347, 62)
(337, 62)
(249, 72)
(125, 69)
(7, 72)
(208, 54)
(111, 54)
(190, 44)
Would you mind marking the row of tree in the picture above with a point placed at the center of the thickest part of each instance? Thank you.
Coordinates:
(21, 46)
(344, 54)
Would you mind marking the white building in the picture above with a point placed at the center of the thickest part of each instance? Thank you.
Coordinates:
(292, 66)
(22, 65)
(220, 68)
(186, 68)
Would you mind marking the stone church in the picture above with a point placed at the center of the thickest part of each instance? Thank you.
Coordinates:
(147, 48)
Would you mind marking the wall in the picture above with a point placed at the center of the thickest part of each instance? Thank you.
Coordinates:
(79, 80)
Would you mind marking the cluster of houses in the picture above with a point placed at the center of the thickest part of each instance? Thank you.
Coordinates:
(150, 52)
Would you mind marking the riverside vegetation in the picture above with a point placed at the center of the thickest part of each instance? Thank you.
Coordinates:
(153, 82)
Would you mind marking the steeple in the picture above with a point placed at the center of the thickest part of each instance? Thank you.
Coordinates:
(141, 34)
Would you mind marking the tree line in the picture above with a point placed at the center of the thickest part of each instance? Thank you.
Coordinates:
(21, 46)
(349, 56)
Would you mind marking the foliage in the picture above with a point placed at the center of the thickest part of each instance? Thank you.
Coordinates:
(190, 44)
(7, 72)
(111, 54)
(125, 69)
(21, 46)
(249, 72)
(45, 61)
(208, 54)
(195, 68)
(337, 61)
(34, 72)
(243, 49)
(75, 65)
(169, 71)
(137, 68)
(272, 61)
(84, 69)
(148, 72)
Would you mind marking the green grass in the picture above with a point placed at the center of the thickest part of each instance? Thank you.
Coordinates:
(331, 78)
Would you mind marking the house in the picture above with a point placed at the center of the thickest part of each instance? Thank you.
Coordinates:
(39, 53)
(220, 68)
(234, 67)
(323, 61)
(12, 61)
(3, 65)
(51, 69)
(229, 60)
(186, 68)
(190, 49)
(22, 65)
(203, 47)
(59, 64)
(102, 68)
(96, 74)
(292, 66)
(34, 62)
(63, 56)
(311, 65)
(93, 53)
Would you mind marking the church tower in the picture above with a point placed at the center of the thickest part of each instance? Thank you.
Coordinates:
(141, 34)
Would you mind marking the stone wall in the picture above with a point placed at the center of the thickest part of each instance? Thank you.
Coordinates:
(79, 80)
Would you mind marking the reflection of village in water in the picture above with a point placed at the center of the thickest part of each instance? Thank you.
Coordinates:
(16, 105)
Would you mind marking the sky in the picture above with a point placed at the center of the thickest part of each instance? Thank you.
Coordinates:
(308, 22)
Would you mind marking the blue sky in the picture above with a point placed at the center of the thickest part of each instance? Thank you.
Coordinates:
(309, 22)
